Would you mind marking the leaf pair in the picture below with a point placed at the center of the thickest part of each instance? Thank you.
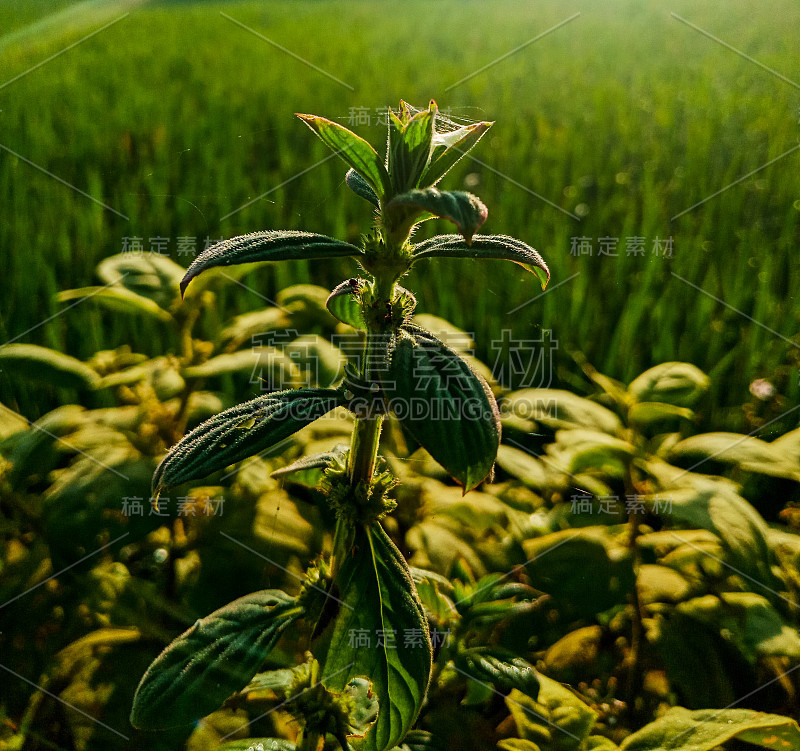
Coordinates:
(283, 245)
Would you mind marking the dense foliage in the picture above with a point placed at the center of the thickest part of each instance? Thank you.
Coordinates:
(625, 580)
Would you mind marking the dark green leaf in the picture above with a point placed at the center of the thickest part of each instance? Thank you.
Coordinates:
(586, 571)
(504, 671)
(705, 729)
(213, 659)
(444, 404)
(485, 246)
(353, 149)
(448, 147)
(381, 603)
(45, 365)
(344, 303)
(270, 245)
(361, 187)
(465, 210)
(242, 431)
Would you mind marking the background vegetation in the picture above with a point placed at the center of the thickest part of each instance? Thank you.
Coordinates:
(175, 117)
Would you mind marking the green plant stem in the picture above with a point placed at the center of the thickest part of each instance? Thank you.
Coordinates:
(637, 626)
(364, 448)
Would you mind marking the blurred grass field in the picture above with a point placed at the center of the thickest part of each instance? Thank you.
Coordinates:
(624, 117)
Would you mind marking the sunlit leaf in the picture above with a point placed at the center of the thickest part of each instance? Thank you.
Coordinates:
(118, 299)
(44, 365)
(357, 152)
(704, 729)
(150, 275)
(679, 383)
(448, 147)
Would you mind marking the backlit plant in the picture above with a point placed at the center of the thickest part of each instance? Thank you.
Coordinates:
(365, 583)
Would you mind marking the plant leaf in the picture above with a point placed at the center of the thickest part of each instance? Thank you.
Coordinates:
(357, 152)
(117, 298)
(409, 146)
(258, 744)
(704, 729)
(376, 587)
(448, 147)
(556, 720)
(270, 245)
(504, 671)
(150, 275)
(344, 303)
(447, 407)
(308, 470)
(242, 431)
(678, 383)
(213, 659)
(485, 246)
(465, 210)
(361, 187)
(747, 452)
(46, 365)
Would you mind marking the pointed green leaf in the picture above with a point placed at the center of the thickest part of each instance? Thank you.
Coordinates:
(465, 210)
(45, 365)
(485, 246)
(409, 146)
(242, 431)
(270, 245)
(382, 605)
(361, 187)
(357, 152)
(213, 659)
(448, 147)
(344, 303)
(447, 407)
(705, 729)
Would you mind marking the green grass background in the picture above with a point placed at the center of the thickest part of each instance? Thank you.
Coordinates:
(175, 116)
